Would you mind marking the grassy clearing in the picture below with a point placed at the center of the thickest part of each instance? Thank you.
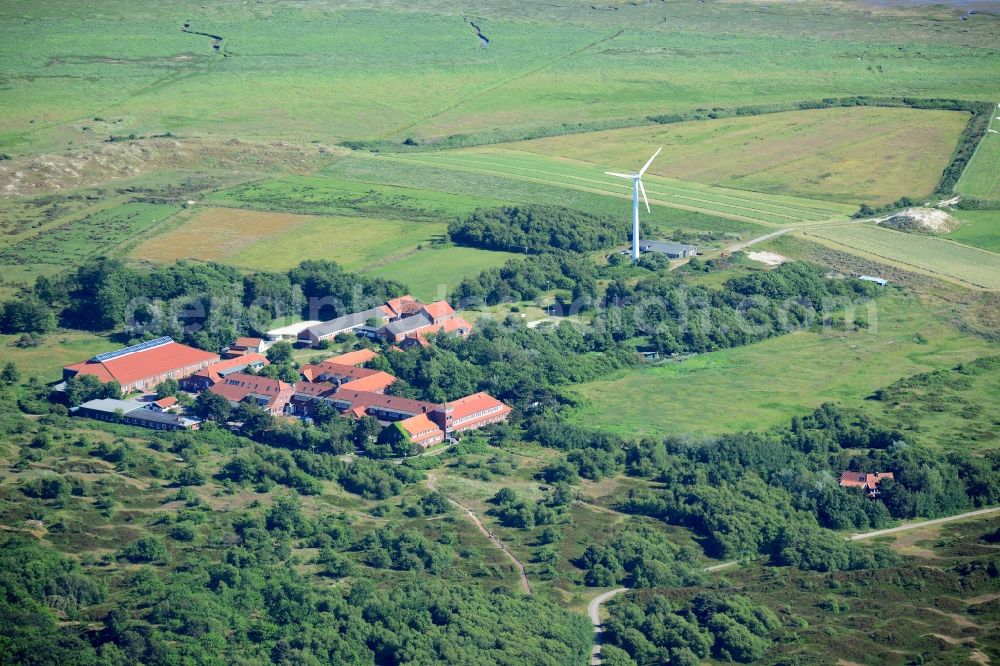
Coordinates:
(57, 350)
(433, 271)
(981, 177)
(979, 228)
(857, 154)
(767, 383)
(940, 258)
(948, 411)
(353, 242)
(773, 210)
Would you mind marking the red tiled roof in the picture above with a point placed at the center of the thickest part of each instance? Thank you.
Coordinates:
(358, 357)
(238, 386)
(314, 389)
(395, 305)
(471, 404)
(146, 364)
(377, 382)
(420, 427)
(863, 479)
(368, 399)
(438, 309)
(212, 371)
(164, 403)
(247, 342)
(348, 372)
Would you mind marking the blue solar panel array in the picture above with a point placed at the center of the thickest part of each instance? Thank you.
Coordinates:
(142, 346)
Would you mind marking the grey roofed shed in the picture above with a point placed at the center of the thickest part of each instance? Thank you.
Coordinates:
(673, 250)
(346, 323)
(407, 324)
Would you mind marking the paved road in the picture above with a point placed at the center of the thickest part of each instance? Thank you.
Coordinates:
(525, 585)
(923, 523)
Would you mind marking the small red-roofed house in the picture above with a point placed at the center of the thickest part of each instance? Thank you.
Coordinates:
(868, 482)
(163, 404)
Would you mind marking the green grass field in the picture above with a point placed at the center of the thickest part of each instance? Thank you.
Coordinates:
(432, 272)
(767, 383)
(940, 258)
(59, 349)
(757, 208)
(855, 154)
(514, 189)
(979, 228)
(982, 176)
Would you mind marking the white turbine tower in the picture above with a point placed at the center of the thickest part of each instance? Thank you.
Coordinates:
(637, 187)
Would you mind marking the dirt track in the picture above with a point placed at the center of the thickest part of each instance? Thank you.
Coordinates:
(525, 586)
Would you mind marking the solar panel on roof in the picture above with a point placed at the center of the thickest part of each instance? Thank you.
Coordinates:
(142, 346)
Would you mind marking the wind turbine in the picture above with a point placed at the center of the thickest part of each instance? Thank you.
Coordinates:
(637, 187)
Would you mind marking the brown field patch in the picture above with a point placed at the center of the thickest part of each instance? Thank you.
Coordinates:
(217, 234)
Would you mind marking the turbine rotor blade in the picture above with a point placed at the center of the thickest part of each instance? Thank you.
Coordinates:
(620, 175)
(643, 190)
(643, 169)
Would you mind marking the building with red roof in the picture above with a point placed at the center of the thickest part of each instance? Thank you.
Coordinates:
(336, 373)
(376, 383)
(215, 373)
(438, 311)
(359, 357)
(868, 482)
(474, 411)
(141, 367)
(422, 431)
(163, 404)
(273, 395)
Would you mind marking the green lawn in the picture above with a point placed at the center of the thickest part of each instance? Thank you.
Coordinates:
(432, 272)
(353, 242)
(979, 228)
(767, 383)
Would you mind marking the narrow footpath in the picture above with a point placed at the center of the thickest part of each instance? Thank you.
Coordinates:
(525, 586)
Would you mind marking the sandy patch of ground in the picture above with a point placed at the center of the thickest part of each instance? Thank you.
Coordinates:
(928, 220)
(82, 167)
(768, 258)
